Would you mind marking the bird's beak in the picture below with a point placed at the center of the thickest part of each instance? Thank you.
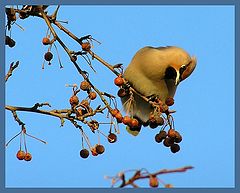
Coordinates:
(190, 68)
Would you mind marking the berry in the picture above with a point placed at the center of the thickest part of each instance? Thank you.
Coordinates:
(158, 138)
(122, 92)
(171, 133)
(119, 81)
(48, 56)
(10, 42)
(93, 151)
(28, 157)
(153, 124)
(153, 181)
(175, 148)
(85, 103)
(119, 117)
(169, 101)
(163, 134)
(168, 186)
(178, 137)
(134, 123)
(86, 46)
(84, 153)
(168, 142)
(85, 85)
(74, 100)
(126, 120)
(45, 41)
(100, 149)
(92, 95)
(114, 112)
(145, 124)
(20, 155)
(112, 138)
(159, 120)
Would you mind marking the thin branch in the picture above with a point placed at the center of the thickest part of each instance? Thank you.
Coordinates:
(143, 175)
(11, 69)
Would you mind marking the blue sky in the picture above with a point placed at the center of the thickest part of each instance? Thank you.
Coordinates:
(204, 102)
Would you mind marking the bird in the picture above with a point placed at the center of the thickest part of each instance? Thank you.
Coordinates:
(155, 71)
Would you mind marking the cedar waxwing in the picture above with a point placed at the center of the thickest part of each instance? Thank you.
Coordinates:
(156, 72)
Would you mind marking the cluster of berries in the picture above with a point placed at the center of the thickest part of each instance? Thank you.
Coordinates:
(171, 139)
(21, 155)
(98, 148)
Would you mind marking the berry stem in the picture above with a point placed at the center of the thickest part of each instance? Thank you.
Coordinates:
(13, 138)
(36, 138)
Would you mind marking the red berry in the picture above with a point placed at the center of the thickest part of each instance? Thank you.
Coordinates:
(45, 41)
(134, 123)
(169, 101)
(94, 152)
(171, 133)
(74, 100)
(112, 138)
(175, 148)
(119, 81)
(84, 153)
(85, 85)
(100, 149)
(28, 157)
(48, 56)
(126, 120)
(153, 181)
(122, 92)
(119, 117)
(20, 155)
(114, 112)
(92, 95)
(168, 142)
(86, 46)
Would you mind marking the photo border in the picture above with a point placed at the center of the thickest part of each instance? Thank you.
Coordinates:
(3, 3)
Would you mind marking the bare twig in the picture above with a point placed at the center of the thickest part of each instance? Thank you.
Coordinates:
(143, 175)
(11, 69)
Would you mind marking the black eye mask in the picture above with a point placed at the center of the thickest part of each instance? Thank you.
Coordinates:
(170, 73)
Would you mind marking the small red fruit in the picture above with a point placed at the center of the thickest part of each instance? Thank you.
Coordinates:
(48, 56)
(153, 181)
(126, 120)
(86, 46)
(175, 148)
(122, 92)
(171, 133)
(94, 152)
(45, 41)
(169, 101)
(112, 138)
(134, 123)
(85, 85)
(100, 149)
(28, 157)
(74, 100)
(119, 117)
(92, 95)
(119, 81)
(84, 153)
(114, 112)
(20, 155)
